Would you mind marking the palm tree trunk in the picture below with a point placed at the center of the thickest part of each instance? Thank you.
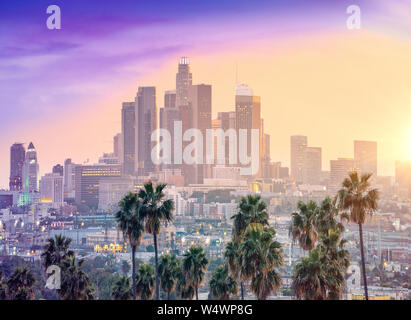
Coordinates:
(156, 259)
(242, 290)
(168, 295)
(363, 262)
(196, 293)
(133, 270)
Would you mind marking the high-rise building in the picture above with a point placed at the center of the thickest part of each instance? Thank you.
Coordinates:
(118, 146)
(168, 115)
(58, 168)
(184, 79)
(403, 175)
(128, 134)
(312, 166)
(69, 178)
(298, 145)
(87, 182)
(248, 114)
(31, 170)
(52, 189)
(145, 123)
(17, 157)
(365, 156)
(339, 170)
(199, 97)
(170, 99)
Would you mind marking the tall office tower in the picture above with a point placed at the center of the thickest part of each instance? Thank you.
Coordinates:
(52, 189)
(146, 123)
(88, 180)
(69, 178)
(226, 122)
(199, 97)
(58, 168)
(298, 145)
(365, 155)
(118, 146)
(184, 80)
(170, 99)
(403, 175)
(312, 166)
(31, 170)
(17, 156)
(128, 134)
(248, 113)
(167, 118)
(339, 170)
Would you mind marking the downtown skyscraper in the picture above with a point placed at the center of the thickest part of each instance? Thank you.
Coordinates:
(365, 156)
(31, 170)
(145, 125)
(17, 157)
(298, 145)
(128, 135)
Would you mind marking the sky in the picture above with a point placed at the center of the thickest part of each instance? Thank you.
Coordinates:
(63, 89)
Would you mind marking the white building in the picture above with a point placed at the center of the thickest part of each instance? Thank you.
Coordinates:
(52, 189)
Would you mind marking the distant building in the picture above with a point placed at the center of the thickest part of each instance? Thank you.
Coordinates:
(298, 145)
(69, 178)
(339, 170)
(128, 134)
(200, 101)
(109, 158)
(403, 175)
(184, 79)
(31, 170)
(17, 157)
(88, 179)
(112, 190)
(58, 168)
(312, 166)
(118, 146)
(365, 156)
(145, 124)
(52, 189)
(248, 117)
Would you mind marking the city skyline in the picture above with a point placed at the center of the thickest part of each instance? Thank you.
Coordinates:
(294, 98)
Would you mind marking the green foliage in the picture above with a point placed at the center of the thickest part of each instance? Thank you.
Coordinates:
(122, 289)
(222, 285)
(194, 267)
(145, 282)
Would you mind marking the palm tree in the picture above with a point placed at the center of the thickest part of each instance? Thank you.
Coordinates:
(302, 228)
(261, 255)
(336, 260)
(20, 284)
(168, 269)
(2, 287)
(222, 284)
(156, 210)
(254, 209)
(122, 289)
(195, 265)
(232, 257)
(75, 283)
(56, 250)
(184, 287)
(359, 200)
(145, 281)
(310, 277)
(130, 223)
(125, 267)
(326, 218)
